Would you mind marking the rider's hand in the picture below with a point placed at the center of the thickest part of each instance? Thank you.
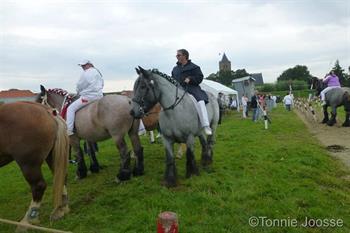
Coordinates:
(187, 80)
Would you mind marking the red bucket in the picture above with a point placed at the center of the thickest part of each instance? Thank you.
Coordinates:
(167, 223)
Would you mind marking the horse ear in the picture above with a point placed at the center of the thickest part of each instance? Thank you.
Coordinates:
(42, 89)
(138, 71)
(144, 72)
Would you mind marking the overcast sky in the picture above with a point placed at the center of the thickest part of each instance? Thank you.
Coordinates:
(41, 42)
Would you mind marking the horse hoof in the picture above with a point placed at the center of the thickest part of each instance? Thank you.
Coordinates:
(124, 174)
(346, 124)
(330, 123)
(170, 182)
(59, 213)
(94, 169)
(207, 162)
(138, 172)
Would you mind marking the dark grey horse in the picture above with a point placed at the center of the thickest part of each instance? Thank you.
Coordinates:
(178, 120)
(334, 98)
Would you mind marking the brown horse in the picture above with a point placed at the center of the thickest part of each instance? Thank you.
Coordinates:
(30, 134)
(150, 121)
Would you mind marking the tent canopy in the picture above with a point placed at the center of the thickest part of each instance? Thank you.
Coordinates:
(215, 88)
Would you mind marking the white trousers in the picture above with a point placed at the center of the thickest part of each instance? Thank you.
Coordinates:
(324, 91)
(244, 111)
(202, 112)
(75, 106)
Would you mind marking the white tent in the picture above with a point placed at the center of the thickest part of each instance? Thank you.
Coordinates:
(215, 88)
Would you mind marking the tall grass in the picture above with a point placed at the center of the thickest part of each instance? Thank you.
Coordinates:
(279, 173)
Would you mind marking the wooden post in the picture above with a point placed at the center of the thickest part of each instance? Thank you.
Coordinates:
(25, 225)
(265, 119)
(167, 223)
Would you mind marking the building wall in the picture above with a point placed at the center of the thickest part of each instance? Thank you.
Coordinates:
(241, 88)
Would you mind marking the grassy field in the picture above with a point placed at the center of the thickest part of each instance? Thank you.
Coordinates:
(280, 173)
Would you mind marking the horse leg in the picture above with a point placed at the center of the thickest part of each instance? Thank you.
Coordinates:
(91, 149)
(64, 208)
(325, 114)
(151, 135)
(81, 169)
(33, 175)
(333, 120)
(191, 167)
(206, 160)
(347, 120)
(170, 174)
(124, 171)
(138, 150)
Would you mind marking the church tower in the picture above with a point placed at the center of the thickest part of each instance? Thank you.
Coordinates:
(224, 64)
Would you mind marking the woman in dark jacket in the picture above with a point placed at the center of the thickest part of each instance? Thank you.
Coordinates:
(189, 75)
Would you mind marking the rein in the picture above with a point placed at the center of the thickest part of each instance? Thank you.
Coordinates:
(171, 106)
(176, 98)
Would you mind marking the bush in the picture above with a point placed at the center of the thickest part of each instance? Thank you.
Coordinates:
(296, 85)
(267, 87)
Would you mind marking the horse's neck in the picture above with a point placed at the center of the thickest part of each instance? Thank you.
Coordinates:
(168, 92)
(56, 101)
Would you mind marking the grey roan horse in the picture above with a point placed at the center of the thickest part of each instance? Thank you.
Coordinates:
(334, 98)
(100, 120)
(178, 121)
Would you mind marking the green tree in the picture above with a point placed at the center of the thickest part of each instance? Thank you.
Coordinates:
(240, 73)
(339, 71)
(226, 77)
(298, 72)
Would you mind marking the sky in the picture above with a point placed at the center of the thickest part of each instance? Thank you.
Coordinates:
(41, 42)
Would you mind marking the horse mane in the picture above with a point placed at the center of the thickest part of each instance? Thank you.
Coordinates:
(58, 91)
(68, 97)
(167, 77)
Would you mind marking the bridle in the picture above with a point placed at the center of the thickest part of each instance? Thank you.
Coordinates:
(44, 100)
(141, 102)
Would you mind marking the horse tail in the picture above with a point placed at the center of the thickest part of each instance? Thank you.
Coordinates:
(346, 101)
(60, 154)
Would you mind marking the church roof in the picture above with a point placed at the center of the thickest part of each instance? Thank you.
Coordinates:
(259, 80)
(224, 58)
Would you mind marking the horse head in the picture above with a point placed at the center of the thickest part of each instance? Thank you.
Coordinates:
(145, 93)
(54, 98)
(42, 96)
(317, 84)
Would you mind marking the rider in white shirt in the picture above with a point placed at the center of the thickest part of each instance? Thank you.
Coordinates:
(89, 88)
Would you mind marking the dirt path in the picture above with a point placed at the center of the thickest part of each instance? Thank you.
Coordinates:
(336, 139)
